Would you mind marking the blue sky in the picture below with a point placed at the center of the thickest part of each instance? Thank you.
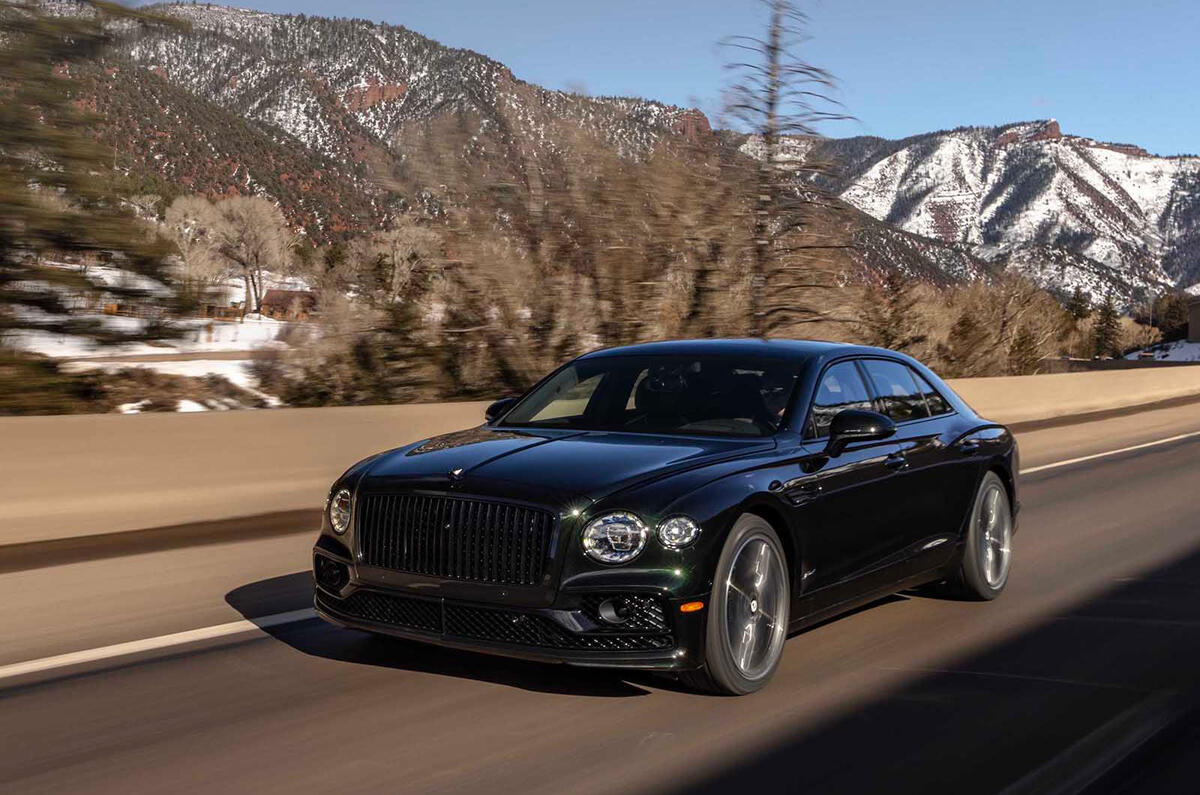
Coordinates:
(1112, 69)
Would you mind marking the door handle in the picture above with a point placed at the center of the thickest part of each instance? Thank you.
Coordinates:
(896, 461)
(805, 492)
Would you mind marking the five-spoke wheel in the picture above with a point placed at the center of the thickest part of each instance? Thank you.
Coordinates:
(995, 527)
(748, 611)
(987, 548)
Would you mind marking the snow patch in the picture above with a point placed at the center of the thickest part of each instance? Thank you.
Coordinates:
(235, 371)
(1173, 352)
(133, 408)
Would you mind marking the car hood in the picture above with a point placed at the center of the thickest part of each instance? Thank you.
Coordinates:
(549, 466)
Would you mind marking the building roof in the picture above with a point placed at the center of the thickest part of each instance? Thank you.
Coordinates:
(285, 298)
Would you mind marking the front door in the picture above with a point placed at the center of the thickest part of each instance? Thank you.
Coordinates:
(841, 501)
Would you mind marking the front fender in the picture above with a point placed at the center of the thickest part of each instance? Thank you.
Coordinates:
(714, 497)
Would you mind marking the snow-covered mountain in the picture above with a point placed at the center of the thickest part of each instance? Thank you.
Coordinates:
(324, 115)
(1069, 211)
(317, 112)
(340, 85)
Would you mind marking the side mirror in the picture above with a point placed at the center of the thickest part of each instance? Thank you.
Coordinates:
(498, 408)
(853, 425)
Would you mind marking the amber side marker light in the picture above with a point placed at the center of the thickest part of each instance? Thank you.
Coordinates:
(691, 607)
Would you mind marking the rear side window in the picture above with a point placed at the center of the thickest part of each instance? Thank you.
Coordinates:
(937, 404)
(896, 389)
(841, 388)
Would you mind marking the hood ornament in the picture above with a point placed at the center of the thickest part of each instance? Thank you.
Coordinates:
(456, 474)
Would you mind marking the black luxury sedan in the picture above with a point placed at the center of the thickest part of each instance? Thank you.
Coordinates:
(677, 506)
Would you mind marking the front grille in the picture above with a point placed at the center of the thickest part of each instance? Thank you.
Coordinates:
(485, 624)
(455, 538)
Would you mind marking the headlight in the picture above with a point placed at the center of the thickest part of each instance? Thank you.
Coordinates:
(678, 532)
(339, 511)
(615, 538)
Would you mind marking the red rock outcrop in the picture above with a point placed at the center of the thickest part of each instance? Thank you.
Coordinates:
(693, 125)
(1050, 132)
(360, 98)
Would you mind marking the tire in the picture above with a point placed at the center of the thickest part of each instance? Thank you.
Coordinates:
(748, 612)
(987, 550)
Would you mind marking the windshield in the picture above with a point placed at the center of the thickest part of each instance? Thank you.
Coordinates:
(696, 395)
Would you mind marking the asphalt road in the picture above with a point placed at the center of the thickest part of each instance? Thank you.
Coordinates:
(913, 694)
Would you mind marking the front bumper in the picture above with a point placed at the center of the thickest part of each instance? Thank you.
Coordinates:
(655, 635)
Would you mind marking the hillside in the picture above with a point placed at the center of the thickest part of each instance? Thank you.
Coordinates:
(332, 118)
(335, 118)
(1069, 210)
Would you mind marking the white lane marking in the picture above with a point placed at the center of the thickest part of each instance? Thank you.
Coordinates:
(150, 644)
(1108, 453)
(234, 627)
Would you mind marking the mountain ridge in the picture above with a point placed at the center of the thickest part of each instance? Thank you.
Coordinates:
(326, 108)
(1127, 221)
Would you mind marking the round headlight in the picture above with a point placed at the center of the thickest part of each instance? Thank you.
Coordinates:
(678, 532)
(615, 538)
(339, 511)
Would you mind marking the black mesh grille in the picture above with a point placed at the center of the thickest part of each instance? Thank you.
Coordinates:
(455, 538)
(485, 624)
(533, 630)
(381, 608)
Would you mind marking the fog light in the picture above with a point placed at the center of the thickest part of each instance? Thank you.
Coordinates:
(613, 611)
(330, 574)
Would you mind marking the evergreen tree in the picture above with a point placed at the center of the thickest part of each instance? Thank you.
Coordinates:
(889, 318)
(1171, 316)
(54, 197)
(1024, 354)
(963, 353)
(1106, 330)
(1079, 305)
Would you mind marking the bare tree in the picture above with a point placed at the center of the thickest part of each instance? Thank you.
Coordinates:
(391, 260)
(780, 99)
(193, 223)
(253, 237)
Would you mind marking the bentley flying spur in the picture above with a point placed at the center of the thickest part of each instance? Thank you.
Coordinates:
(676, 506)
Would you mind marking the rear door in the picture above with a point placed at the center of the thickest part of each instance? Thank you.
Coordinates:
(924, 493)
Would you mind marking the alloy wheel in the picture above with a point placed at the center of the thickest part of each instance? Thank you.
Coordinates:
(755, 607)
(995, 535)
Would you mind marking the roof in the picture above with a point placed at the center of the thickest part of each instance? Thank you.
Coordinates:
(286, 297)
(762, 348)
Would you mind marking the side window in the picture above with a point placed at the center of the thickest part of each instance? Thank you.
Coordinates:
(937, 404)
(841, 388)
(896, 390)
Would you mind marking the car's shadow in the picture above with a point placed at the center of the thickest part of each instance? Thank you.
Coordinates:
(264, 598)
